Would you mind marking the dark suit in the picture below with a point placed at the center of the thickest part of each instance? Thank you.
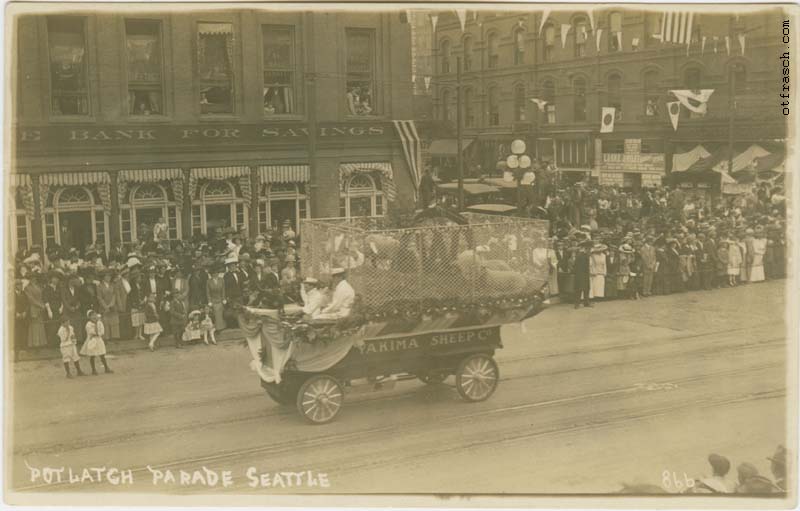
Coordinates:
(197, 289)
(233, 287)
(71, 300)
(582, 277)
(52, 296)
(160, 287)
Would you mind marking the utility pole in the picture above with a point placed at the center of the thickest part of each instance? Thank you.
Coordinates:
(459, 159)
(731, 105)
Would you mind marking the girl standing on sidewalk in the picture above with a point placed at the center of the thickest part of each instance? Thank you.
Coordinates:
(94, 346)
(69, 350)
(151, 325)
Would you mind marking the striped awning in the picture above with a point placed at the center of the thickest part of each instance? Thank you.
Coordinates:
(349, 168)
(284, 174)
(219, 172)
(17, 180)
(75, 178)
(149, 175)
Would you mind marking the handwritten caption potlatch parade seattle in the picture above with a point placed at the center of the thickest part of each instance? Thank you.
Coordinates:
(201, 477)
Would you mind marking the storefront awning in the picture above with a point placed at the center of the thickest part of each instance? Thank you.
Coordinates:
(17, 180)
(346, 170)
(75, 178)
(448, 146)
(284, 174)
(149, 175)
(219, 172)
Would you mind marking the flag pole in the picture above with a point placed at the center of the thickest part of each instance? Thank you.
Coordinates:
(459, 159)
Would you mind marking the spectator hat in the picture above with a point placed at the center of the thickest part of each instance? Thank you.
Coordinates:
(338, 271)
(290, 259)
(311, 281)
(779, 457)
(720, 464)
(626, 249)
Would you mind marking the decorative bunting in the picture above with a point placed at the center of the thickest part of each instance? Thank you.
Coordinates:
(728, 45)
(599, 34)
(434, 19)
(703, 45)
(591, 19)
(540, 103)
(462, 18)
(427, 80)
(635, 43)
(564, 31)
(545, 13)
(619, 40)
(695, 101)
(742, 41)
(674, 109)
(607, 123)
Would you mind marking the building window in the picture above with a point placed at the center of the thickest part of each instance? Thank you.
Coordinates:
(362, 197)
(216, 207)
(491, 50)
(148, 203)
(580, 29)
(651, 93)
(447, 100)
(281, 203)
(215, 59)
(519, 102)
(613, 146)
(494, 107)
(69, 91)
(360, 71)
(279, 65)
(579, 90)
(145, 85)
(467, 53)
(549, 42)
(615, 94)
(469, 110)
(572, 153)
(614, 28)
(692, 78)
(652, 29)
(75, 219)
(549, 95)
(445, 57)
(519, 47)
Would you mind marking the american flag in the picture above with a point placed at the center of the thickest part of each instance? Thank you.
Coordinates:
(412, 147)
(676, 27)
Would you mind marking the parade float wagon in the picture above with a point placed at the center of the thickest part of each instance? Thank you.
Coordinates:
(430, 303)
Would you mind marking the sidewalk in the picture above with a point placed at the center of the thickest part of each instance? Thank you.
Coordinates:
(123, 346)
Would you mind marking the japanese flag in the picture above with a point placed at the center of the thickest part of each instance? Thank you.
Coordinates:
(607, 123)
(694, 100)
(674, 109)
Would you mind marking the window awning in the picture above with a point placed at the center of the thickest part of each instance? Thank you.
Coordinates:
(284, 174)
(75, 178)
(17, 180)
(148, 175)
(219, 172)
(448, 146)
(349, 168)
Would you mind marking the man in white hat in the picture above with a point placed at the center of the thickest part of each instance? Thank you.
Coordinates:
(314, 297)
(342, 299)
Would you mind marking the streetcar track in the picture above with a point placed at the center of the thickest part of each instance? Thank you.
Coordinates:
(367, 434)
(282, 412)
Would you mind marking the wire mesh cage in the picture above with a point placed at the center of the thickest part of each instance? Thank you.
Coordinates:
(490, 257)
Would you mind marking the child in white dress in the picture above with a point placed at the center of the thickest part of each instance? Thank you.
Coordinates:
(94, 346)
(207, 325)
(193, 330)
(69, 349)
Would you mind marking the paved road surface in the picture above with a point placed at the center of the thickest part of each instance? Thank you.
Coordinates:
(588, 399)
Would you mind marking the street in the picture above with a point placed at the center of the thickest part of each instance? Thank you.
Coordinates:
(588, 399)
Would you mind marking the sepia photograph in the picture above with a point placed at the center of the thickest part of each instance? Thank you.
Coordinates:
(309, 253)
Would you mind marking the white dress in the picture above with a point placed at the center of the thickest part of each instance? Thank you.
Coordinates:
(757, 268)
(94, 345)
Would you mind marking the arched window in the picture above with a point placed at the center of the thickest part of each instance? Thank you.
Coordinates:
(549, 42)
(75, 219)
(146, 205)
(579, 99)
(281, 203)
(445, 56)
(218, 206)
(651, 93)
(469, 108)
(549, 95)
(519, 102)
(615, 94)
(447, 100)
(361, 197)
(494, 107)
(468, 53)
(580, 30)
(519, 47)
(614, 28)
(491, 50)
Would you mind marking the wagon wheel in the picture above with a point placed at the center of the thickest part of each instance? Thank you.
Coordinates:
(281, 393)
(477, 377)
(320, 398)
(432, 378)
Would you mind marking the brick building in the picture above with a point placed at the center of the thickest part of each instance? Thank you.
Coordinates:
(581, 61)
(207, 118)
